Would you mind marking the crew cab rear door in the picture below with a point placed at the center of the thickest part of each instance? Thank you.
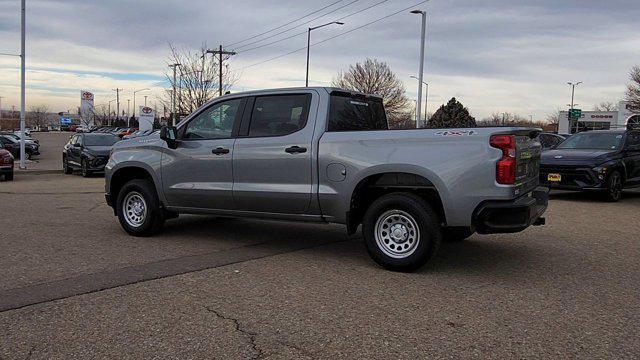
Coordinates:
(272, 159)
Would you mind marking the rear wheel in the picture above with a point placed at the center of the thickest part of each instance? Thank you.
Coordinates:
(401, 231)
(138, 208)
(456, 234)
(614, 186)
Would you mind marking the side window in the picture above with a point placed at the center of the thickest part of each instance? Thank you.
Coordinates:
(279, 115)
(216, 122)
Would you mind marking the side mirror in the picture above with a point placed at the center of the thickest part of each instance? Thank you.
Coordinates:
(77, 145)
(170, 135)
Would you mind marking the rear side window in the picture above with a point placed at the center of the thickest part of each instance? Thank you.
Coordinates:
(279, 115)
(355, 114)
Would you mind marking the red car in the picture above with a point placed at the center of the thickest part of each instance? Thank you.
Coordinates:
(6, 163)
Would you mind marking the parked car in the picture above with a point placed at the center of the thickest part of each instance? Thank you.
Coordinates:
(602, 160)
(126, 131)
(87, 152)
(13, 145)
(326, 155)
(6, 163)
(27, 139)
(550, 140)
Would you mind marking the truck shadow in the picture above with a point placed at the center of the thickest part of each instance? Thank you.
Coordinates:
(480, 255)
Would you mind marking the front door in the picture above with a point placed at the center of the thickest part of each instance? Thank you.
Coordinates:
(198, 173)
(632, 158)
(272, 159)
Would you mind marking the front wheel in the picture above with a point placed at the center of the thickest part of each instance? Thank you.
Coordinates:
(614, 186)
(401, 231)
(65, 166)
(84, 168)
(138, 208)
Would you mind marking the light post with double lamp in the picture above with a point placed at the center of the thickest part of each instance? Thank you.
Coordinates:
(134, 100)
(420, 73)
(426, 98)
(109, 114)
(306, 82)
(573, 92)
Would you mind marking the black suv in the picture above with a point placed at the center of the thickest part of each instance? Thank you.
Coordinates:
(88, 152)
(605, 160)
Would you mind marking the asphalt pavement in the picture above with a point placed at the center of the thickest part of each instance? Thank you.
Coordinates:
(74, 285)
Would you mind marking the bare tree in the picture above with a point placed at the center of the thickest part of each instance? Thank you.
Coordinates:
(197, 79)
(554, 119)
(633, 89)
(605, 106)
(375, 77)
(38, 114)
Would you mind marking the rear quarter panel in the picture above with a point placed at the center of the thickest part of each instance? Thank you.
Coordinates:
(459, 162)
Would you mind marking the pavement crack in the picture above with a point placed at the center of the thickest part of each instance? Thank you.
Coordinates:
(259, 354)
(30, 353)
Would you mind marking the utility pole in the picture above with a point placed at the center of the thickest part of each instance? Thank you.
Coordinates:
(145, 100)
(220, 52)
(573, 92)
(420, 74)
(173, 95)
(128, 113)
(22, 84)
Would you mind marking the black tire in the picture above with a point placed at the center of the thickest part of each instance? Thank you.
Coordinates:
(154, 218)
(394, 210)
(8, 176)
(83, 167)
(615, 183)
(65, 166)
(457, 234)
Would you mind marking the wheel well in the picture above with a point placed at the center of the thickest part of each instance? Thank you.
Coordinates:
(122, 176)
(375, 186)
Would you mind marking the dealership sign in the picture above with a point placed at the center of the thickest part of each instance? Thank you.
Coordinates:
(145, 120)
(86, 107)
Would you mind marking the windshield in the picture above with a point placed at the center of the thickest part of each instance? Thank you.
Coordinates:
(593, 140)
(103, 140)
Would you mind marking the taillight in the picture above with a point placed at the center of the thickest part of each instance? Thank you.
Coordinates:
(506, 166)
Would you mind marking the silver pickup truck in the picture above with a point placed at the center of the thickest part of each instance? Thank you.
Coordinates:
(326, 155)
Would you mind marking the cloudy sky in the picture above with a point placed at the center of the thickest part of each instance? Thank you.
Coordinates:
(493, 55)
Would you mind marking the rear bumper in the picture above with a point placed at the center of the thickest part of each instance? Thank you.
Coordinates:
(511, 216)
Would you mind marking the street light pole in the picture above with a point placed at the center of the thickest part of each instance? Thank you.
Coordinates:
(420, 74)
(573, 92)
(22, 84)
(306, 82)
(426, 97)
(134, 100)
(173, 95)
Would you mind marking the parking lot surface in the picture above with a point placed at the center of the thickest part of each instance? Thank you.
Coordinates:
(74, 285)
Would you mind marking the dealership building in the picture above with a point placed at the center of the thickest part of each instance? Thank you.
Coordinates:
(599, 120)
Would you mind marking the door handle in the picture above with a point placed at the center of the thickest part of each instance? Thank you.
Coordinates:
(220, 151)
(296, 150)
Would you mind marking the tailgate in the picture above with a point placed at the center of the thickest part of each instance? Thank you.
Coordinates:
(528, 150)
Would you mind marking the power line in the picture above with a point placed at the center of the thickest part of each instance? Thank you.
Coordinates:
(333, 37)
(293, 27)
(304, 32)
(281, 26)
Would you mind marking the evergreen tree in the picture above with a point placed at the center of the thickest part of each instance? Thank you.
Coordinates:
(452, 115)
